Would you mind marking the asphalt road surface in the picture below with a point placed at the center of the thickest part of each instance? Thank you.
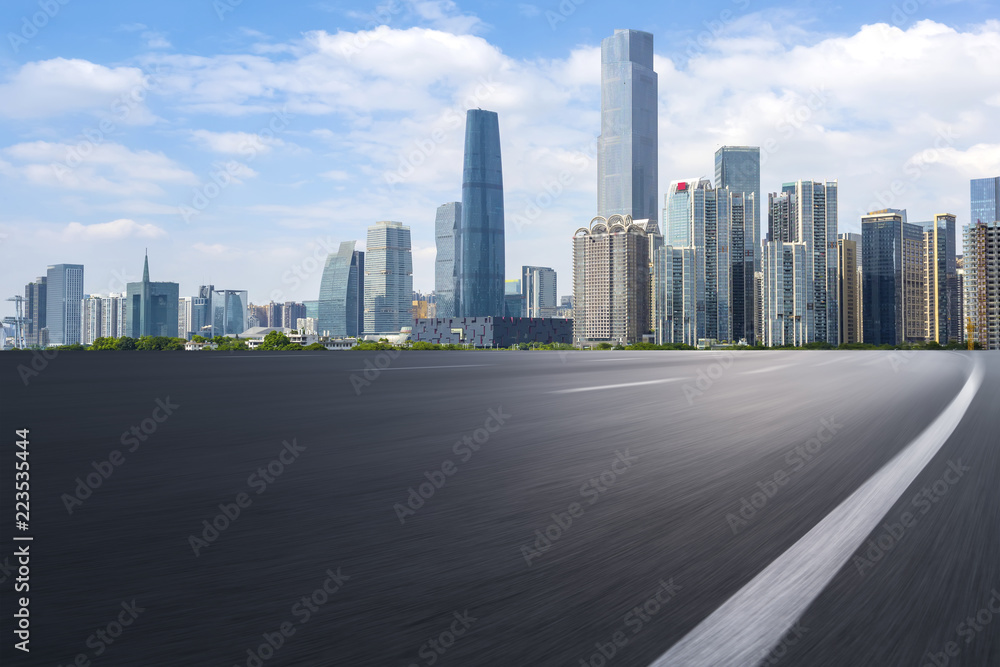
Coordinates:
(503, 508)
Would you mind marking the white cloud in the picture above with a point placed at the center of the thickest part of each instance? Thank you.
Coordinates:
(110, 231)
(49, 88)
(236, 143)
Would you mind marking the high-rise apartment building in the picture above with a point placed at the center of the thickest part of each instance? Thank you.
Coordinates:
(388, 284)
(627, 148)
(481, 234)
(63, 297)
(611, 281)
(342, 293)
(738, 168)
(447, 226)
(291, 311)
(34, 312)
(90, 319)
(942, 300)
(849, 287)
(786, 285)
(151, 307)
(981, 261)
(675, 293)
(538, 288)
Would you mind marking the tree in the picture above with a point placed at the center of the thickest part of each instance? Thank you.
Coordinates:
(197, 339)
(275, 340)
(126, 343)
(104, 344)
(315, 346)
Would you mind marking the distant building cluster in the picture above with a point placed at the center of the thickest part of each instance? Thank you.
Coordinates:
(719, 264)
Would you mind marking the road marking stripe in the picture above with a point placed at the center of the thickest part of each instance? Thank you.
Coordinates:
(613, 386)
(750, 623)
(768, 369)
(418, 368)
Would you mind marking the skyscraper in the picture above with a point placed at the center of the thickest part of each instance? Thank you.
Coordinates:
(34, 311)
(942, 293)
(64, 295)
(151, 308)
(388, 284)
(981, 261)
(675, 307)
(342, 293)
(985, 200)
(786, 283)
(481, 234)
(677, 211)
(447, 224)
(849, 288)
(627, 148)
(892, 283)
(738, 168)
(611, 281)
(538, 287)
(229, 311)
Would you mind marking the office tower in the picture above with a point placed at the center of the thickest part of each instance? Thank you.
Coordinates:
(151, 307)
(738, 168)
(63, 296)
(538, 287)
(985, 200)
(786, 284)
(981, 261)
(806, 212)
(942, 295)
(388, 283)
(312, 306)
(34, 311)
(892, 283)
(229, 310)
(447, 238)
(90, 319)
(627, 148)
(274, 315)
(481, 234)
(677, 211)
(676, 307)
(849, 288)
(342, 293)
(611, 281)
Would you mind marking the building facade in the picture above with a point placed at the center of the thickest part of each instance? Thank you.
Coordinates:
(786, 286)
(34, 312)
(611, 280)
(627, 148)
(481, 234)
(447, 237)
(63, 297)
(738, 168)
(942, 302)
(985, 200)
(538, 289)
(342, 294)
(492, 331)
(388, 282)
(893, 283)
(151, 307)
(981, 261)
(849, 289)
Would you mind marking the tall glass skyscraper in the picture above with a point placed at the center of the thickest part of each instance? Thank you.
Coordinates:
(388, 270)
(481, 235)
(64, 296)
(342, 293)
(985, 200)
(738, 168)
(677, 211)
(151, 308)
(229, 310)
(447, 238)
(627, 149)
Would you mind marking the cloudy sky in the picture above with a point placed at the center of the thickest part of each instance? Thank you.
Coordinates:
(240, 141)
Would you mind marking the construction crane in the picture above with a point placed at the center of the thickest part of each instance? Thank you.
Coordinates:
(18, 321)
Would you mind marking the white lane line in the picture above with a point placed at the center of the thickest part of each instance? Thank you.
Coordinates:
(750, 623)
(613, 386)
(617, 359)
(768, 369)
(418, 368)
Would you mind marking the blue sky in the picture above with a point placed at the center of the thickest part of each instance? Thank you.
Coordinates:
(240, 141)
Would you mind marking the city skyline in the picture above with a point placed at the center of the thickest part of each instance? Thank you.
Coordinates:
(288, 214)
